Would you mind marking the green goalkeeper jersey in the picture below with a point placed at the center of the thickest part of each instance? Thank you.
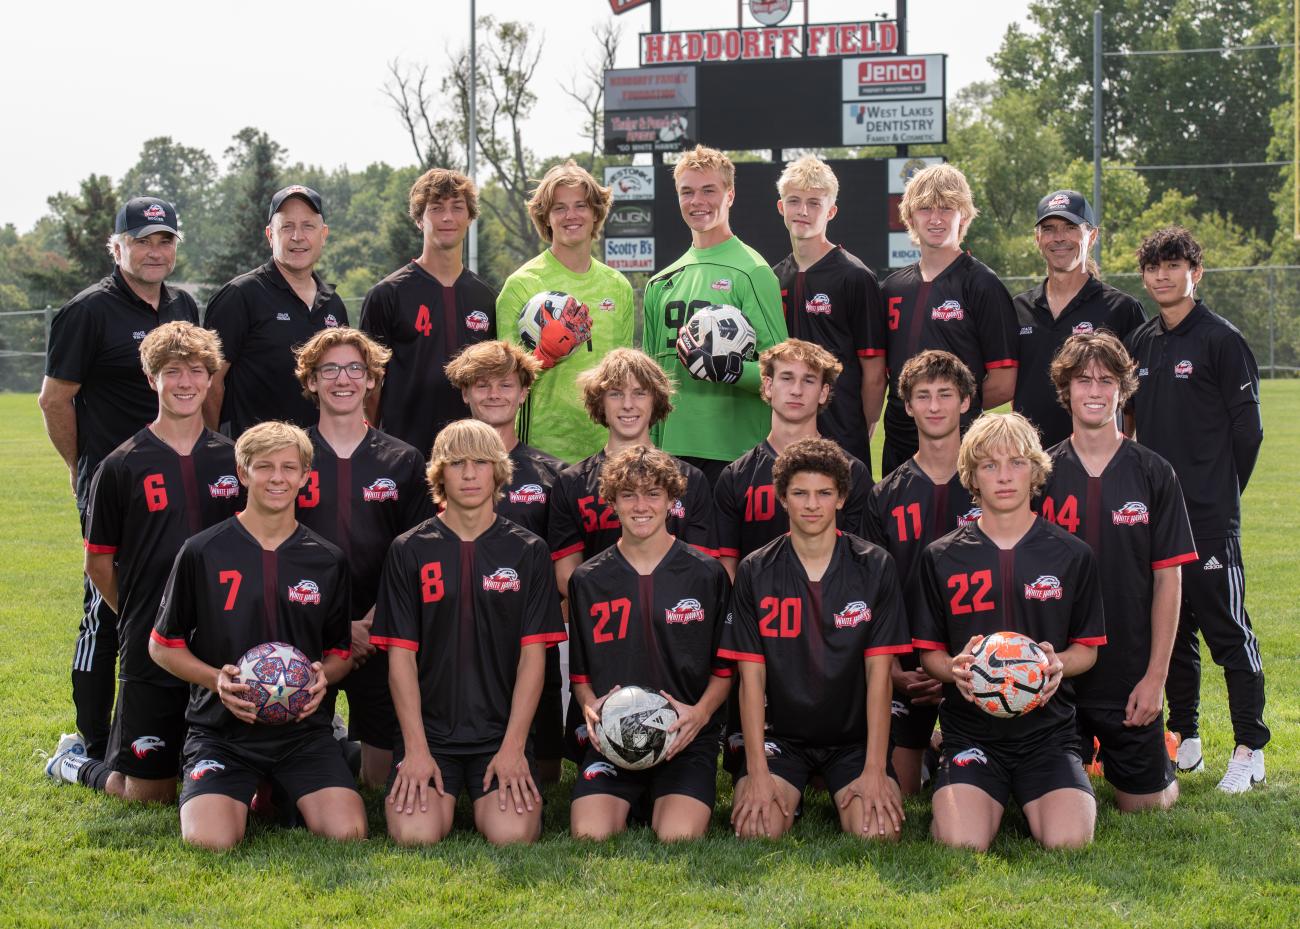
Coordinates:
(554, 418)
(710, 420)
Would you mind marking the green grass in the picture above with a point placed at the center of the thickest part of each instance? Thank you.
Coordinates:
(72, 858)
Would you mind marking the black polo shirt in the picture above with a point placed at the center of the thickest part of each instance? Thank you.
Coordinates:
(425, 325)
(1197, 406)
(835, 303)
(965, 310)
(95, 342)
(1095, 307)
(261, 321)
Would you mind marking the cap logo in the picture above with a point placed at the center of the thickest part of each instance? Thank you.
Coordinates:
(1058, 200)
(154, 211)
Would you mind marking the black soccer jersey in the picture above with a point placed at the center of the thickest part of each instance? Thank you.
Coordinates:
(1193, 382)
(426, 325)
(526, 500)
(1046, 588)
(965, 311)
(467, 609)
(227, 594)
(363, 502)
(907, 511)
(813, 636)
(660, 631)
(1134, 519)
(748, 513)
(95, 342)
(836, 304)
(145, 502)
(261, 320)
(1095, 307)
(582, 522)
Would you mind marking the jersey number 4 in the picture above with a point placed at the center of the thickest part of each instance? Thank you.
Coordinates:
(1066, 515)
(423, 324)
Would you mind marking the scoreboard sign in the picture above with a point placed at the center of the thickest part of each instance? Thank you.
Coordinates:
(893, 77)
(816, 40)
(649, 88)
(893, 100)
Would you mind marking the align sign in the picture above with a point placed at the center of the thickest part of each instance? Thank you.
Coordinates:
(816, 40)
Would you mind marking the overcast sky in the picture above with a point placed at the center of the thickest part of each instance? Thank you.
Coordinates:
(85, 83)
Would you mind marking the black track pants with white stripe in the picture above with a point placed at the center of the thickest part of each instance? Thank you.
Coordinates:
(1214, 604)
(94, 668)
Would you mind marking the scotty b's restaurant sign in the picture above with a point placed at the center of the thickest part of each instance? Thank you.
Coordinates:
(815, 40)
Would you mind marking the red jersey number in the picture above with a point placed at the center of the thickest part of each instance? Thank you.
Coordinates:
(310, 495)
(431, 588)
(981, 583)
(1066, 515)
(604, 611)
(901, 514)
(783, 619)
(423, 324)
(760, 503)
(233, 578)
(155, 493)
(895, 313)
(591, 520)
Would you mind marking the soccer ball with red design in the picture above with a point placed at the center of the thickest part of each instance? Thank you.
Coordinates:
(633, 730)
(278, 677)
(1009, 672)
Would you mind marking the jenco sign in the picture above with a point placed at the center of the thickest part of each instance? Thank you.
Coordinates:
(893, 77)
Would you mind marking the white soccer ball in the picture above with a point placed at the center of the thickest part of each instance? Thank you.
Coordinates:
(1010, 671)
(540, 309)
(719, 331)
(633, 728)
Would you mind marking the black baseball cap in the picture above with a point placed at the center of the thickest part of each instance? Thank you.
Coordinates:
(1070, 205)
(295, 190)
(142, 216)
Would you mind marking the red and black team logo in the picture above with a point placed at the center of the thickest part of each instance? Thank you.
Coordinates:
(224, 487)
(305, 591)
(154, 211)
(970, 756)
(1130, 514)
(970, 516)
(528, 493)
(607, 305)
(204, 767)
(597, 768)
(677, 510)
(819, 305)
(948, 310)
(852, 614)
(477, 321)
(331, 321)
(502, 579)
(146, 744)
(1183, 370)
(1045, 588)
(687, 610)
(1083, 328)
(1057, 201)
(380, 489)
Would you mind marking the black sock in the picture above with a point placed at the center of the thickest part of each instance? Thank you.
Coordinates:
(94, 774)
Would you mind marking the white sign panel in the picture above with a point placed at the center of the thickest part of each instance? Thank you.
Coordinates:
(905, 122)
(902, 251)
(631, 182)
(900, 170)
(893, 77)
(630, 254)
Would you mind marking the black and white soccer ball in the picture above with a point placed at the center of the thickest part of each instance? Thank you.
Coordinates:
(1009, 673)
(715, 341)
(633, 728)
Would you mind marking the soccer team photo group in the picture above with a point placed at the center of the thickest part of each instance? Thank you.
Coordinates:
(560, 542)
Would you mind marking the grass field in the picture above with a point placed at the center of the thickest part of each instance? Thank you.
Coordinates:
(70, 858)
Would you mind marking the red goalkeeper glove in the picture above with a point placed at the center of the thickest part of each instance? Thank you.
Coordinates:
(560, 337)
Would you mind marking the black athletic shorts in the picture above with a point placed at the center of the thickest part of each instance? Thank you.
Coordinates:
(797, 763)
(296, 767)
(548, 722)
(1134, 758)
(692, 773)
(148, 730)
(1027, 771)
(463, 772)
(371, 716)
(911, 724)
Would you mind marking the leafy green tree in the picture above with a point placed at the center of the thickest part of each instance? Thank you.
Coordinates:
(186, 177)
(85, 222)
(252, 178)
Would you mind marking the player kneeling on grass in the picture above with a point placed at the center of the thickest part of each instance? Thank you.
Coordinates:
(1124, 500)
(259, 577)
(139, 516)
(1008, 571)
(816, 618)
(649, 611)
(467, 606)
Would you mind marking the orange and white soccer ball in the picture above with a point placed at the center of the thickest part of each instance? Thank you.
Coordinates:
(1009, 673)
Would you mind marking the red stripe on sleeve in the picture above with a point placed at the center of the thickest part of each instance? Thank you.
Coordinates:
(888, 650)
(927, 646)
(579, 679)
(1002, 363)
(741, 656)
(163, 640)
(722, 672)
(705, 550)
(344, 653)
(574, 549)
(99, 549)
(870, 352)
(545, 638)
(728, 553)
(1089, 640)
(386, 642)
(1173, 562)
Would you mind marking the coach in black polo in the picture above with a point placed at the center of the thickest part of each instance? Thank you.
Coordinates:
(95, 397)
(263, 314)
(1070, 300)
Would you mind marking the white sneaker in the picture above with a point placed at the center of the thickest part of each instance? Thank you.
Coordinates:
(1245, 770)
(70, 744)
(1190, 759)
